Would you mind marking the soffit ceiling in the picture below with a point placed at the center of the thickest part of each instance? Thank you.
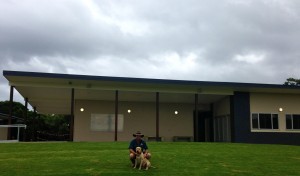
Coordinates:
(53, 95)
(58, 100)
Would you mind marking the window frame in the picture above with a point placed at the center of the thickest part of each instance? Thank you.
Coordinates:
(272, 116)
(292, 122)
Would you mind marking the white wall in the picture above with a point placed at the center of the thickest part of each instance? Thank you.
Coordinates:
(3, 133)
(142, 117)
(222, 107)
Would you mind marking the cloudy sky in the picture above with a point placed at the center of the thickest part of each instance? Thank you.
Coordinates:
(255, 41)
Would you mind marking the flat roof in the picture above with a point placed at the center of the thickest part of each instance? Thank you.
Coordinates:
(8, 74)
(51, 92)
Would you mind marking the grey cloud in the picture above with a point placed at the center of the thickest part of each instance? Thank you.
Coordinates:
(59, 30)
(70, 30)
(61, 36)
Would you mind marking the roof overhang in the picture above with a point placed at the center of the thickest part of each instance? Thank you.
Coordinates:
(51, 92)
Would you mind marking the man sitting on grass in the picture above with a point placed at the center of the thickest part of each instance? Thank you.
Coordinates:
(138, 142)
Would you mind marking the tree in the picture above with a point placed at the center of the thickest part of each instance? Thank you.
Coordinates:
(17, 111)
(39, 127)
(53, 127)
(292, 82)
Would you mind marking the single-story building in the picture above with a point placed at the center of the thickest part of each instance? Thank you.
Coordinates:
(106, 108)
(15, 129)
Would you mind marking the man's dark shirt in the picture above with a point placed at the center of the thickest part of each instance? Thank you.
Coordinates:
(134, 144)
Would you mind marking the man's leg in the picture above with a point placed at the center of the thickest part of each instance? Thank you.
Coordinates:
(132, 158)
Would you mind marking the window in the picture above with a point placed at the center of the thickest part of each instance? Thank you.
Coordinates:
(292, 121)
(264, 121)
(106, 122)
(255, 121)
(275, 121)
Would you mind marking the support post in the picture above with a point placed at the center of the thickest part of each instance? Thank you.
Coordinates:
(157, 116)
(211, 123)
(116, 114)
(72, 115)
(11, 100)
(34, 124)
(25, 118)
(196, 121)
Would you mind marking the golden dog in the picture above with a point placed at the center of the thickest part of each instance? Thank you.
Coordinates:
(146, 163)
(139, 157)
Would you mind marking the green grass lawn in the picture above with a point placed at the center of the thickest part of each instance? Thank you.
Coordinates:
(178, 158)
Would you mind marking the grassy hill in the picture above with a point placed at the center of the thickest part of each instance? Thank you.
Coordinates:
(173, 158)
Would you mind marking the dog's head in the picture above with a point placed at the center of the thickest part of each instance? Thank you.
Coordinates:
(138, 150)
